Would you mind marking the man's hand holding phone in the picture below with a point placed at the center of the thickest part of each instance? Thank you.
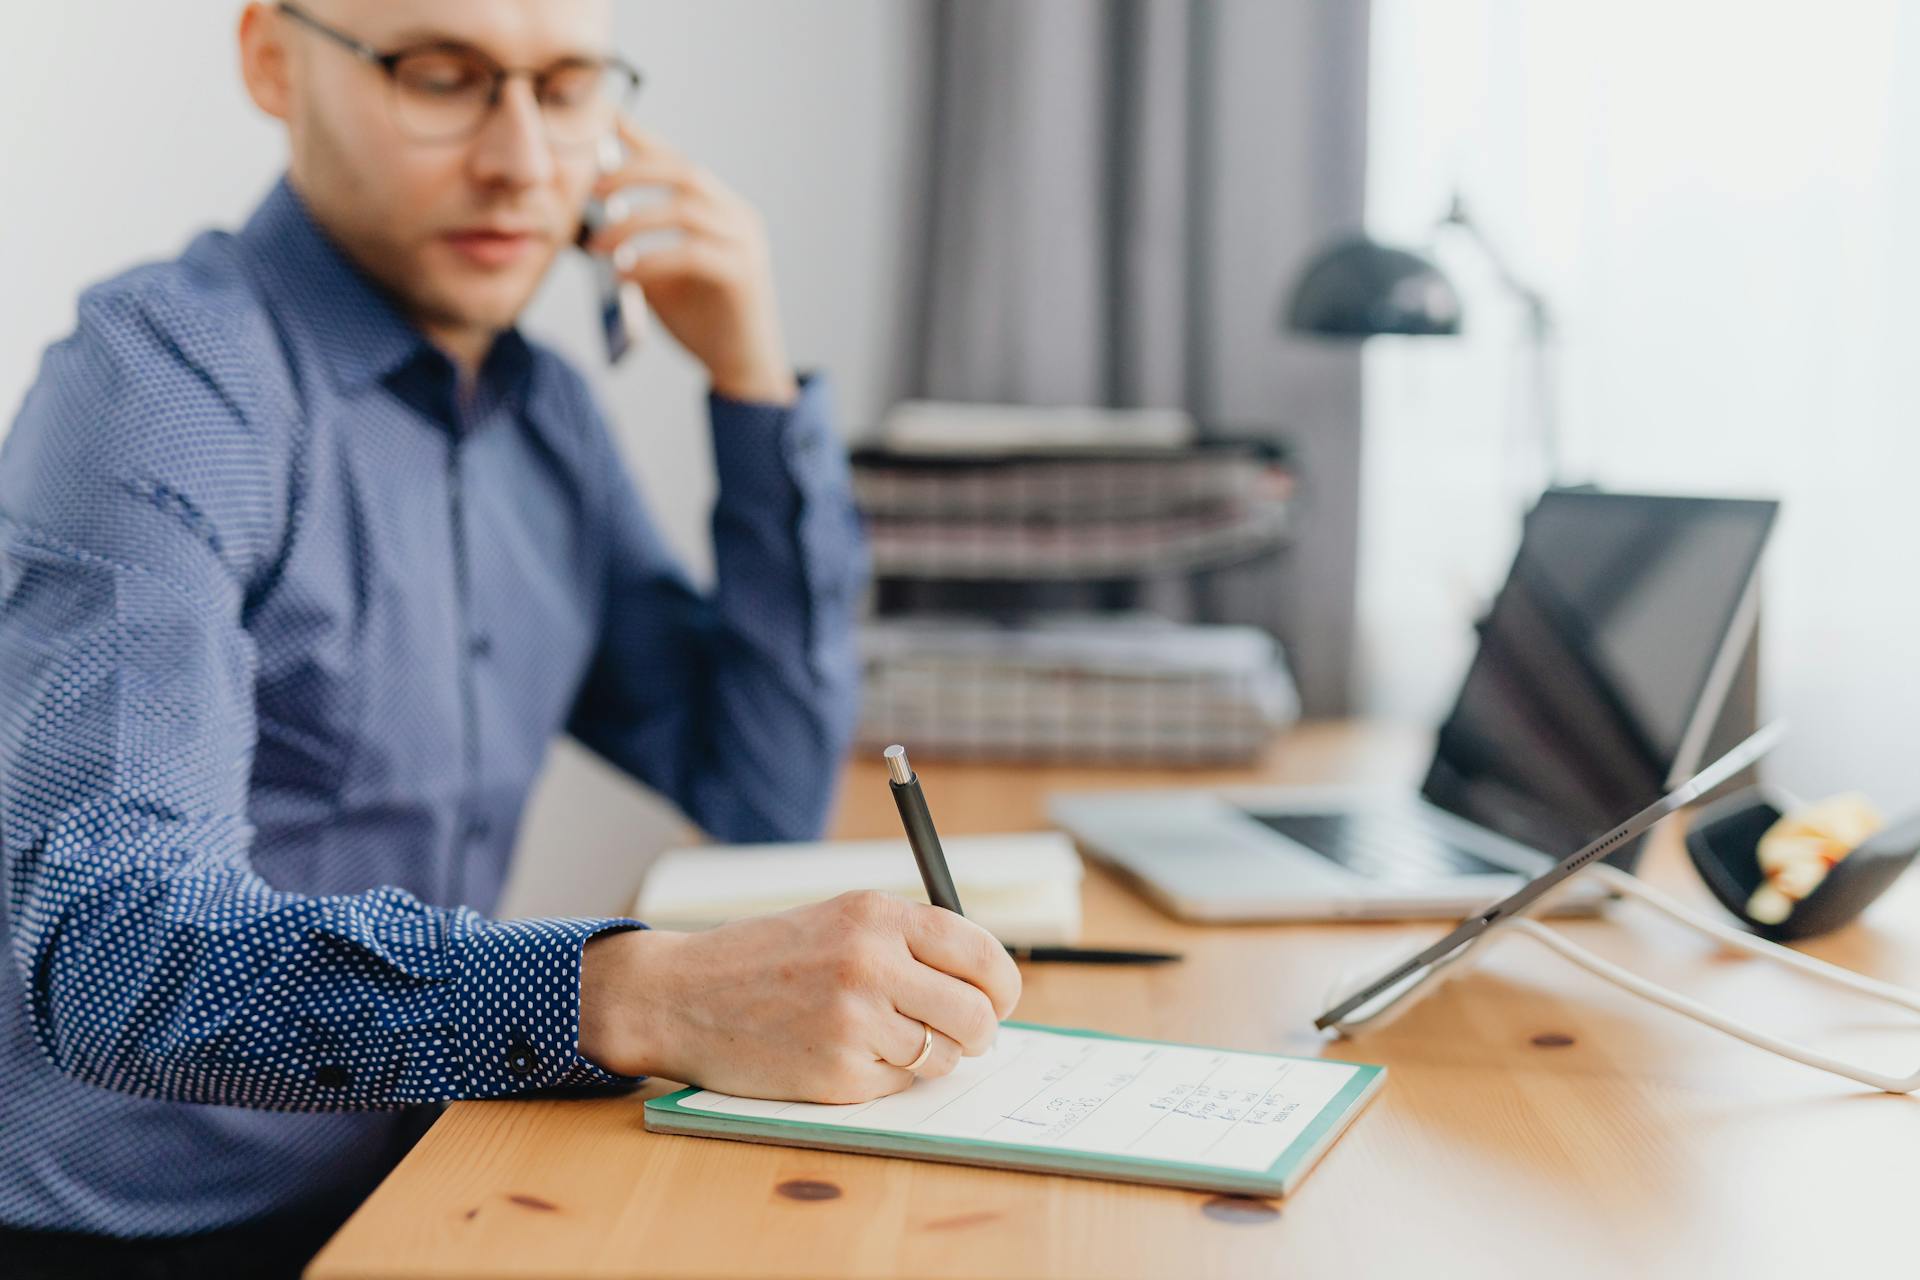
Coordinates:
(706, 269)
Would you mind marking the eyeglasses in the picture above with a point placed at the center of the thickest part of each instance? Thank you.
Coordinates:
(444, 91)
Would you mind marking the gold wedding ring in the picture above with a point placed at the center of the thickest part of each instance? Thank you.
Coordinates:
(926, 1050)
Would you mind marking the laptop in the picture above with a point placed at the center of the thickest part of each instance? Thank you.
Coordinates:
(1601, 669)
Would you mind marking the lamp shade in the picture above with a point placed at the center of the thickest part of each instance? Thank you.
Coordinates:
(1360, 287)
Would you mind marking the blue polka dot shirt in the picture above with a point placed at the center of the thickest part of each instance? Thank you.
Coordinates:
(288, 620)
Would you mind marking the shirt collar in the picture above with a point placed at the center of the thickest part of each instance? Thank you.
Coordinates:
(427, 381)
(352, 322)
(322, 295)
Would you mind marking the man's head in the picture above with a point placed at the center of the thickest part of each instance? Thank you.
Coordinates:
(460, 229)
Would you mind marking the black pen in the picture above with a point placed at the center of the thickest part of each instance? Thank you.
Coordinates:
(1090, 955)
(925, 842)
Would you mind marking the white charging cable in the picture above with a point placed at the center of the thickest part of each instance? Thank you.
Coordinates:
(1632, 887)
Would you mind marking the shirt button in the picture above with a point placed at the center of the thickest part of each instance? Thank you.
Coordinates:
(332, 1077)
(521, 1059)
(478, 828)
(481, 645)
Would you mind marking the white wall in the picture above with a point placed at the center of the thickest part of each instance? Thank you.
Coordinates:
(124, 129)
(1721, 200)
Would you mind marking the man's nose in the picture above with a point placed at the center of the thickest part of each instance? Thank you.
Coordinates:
(511, 148)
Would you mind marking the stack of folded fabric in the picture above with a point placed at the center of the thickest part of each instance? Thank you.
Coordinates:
(1122, 689)
(1008, 544)
(1070, 516)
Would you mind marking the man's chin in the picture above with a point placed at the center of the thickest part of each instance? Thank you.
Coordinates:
(494, 306)
(479, 297)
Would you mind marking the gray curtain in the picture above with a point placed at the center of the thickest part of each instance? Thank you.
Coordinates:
(1117, 195)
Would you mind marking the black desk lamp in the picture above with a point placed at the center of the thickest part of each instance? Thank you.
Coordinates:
(1360, 288)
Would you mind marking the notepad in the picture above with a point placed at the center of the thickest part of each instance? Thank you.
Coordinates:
(1023, 888)
(1056, 1100)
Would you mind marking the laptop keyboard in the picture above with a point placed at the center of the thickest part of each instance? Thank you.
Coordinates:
(1380, 845)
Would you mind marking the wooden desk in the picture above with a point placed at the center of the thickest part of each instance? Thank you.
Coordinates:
(1536, 1121)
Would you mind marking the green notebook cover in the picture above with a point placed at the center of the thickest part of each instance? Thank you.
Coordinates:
(1120, 1087)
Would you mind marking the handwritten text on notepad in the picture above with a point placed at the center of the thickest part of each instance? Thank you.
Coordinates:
(1039, 1088)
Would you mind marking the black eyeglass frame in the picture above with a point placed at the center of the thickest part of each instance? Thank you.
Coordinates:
(389, 61)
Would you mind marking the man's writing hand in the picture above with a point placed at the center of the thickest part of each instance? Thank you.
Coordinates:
(821, 1004)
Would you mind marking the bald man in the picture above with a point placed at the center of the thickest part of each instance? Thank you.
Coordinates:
(306, 553)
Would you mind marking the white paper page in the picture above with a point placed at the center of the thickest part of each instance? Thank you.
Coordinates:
(1103, 1097)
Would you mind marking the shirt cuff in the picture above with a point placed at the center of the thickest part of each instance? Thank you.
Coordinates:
(784, 475)
(778, 452)
(517, 1006)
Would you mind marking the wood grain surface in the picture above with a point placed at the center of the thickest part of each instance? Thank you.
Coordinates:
(1536, 1121)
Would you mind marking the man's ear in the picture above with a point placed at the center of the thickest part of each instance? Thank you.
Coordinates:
(264, 60)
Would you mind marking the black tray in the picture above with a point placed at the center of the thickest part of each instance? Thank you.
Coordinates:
(1724, 841)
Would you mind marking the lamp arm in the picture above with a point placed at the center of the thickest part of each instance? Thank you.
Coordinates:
(1546, 424)
(1539, 316)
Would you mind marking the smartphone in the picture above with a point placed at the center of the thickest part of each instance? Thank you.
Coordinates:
(622, 309)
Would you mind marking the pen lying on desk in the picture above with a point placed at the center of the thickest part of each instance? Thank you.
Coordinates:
(1090, 955)
(925, 842)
